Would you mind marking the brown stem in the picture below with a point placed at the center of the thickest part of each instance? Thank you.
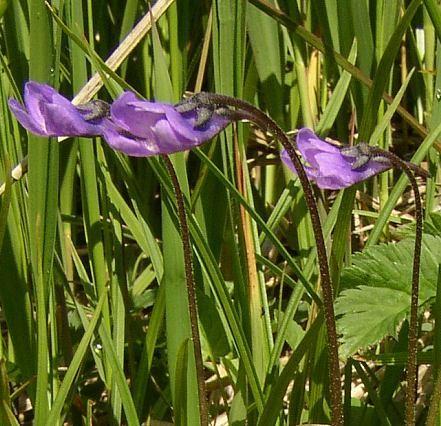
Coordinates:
(412, 368)
(432, 415)
(245, 110)
(192, 301)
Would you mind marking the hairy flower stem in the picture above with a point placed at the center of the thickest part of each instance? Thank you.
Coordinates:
(191, 292)
(412, 349)
(246, 111)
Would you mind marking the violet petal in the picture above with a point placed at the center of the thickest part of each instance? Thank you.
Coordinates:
(171, 130)
(184, 125)
(47, 113)
(327, 166)
(25, 119)
(128, 143)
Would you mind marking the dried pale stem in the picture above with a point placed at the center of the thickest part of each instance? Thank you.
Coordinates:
(412, 368)
(244, 110)
(191, 291)
(16, 173)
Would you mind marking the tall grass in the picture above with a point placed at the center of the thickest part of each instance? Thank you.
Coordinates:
(95, 309)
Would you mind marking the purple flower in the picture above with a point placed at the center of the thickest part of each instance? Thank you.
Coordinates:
(142, 128)
(130, 125)
(46, 113)
(331, 167)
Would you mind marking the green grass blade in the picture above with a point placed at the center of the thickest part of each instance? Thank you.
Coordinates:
(7, 417)
(264, 36)
(90, 197)
(120, 379)
(140, 230)
(5, 200)
(177, 310)
(382, 415)
(119, 290)
(400, 186)
(80, 353)
(43, 187)
(385, 120)
(155, 326)
(434, 11)
(315, 41)
(274, 400)
(220, 290)
(335, 103)
(181, 396)
(282, 250)
(363, 32)
(383, 71)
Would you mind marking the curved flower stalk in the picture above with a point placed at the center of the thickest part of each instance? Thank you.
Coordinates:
(332, 167)
(412, 368)
(212, 103)
(191, 289)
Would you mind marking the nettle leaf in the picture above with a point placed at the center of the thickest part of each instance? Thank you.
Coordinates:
(376, 291)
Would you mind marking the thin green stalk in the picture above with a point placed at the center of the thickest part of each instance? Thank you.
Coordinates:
(75, 364)
(90, 198)
(305, 101)
(191, 291)
(432, 7)
(294, 48)
(246, 111)
(382, 415)
(41, 404)
(43, 188)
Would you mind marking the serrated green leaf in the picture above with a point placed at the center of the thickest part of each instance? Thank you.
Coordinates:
(377, 291)
(433, 224)
(369, 314)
